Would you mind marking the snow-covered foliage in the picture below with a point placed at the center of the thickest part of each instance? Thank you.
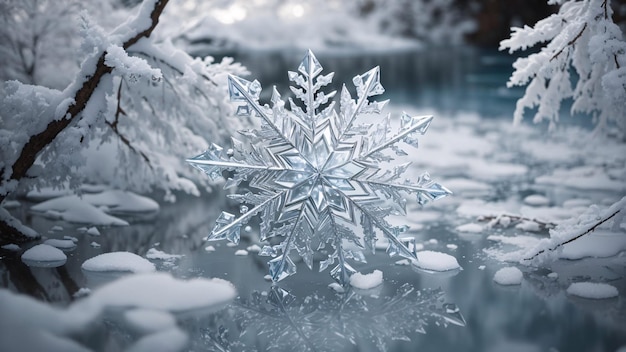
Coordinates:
(584, 46)
(320, 25)
(157, 105)
(439, 22)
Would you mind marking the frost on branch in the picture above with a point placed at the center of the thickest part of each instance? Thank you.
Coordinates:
(319, 178)
(582, 45)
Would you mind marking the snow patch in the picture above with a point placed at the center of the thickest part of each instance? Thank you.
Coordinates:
(536, 200)
(62, 244)
(154, 253)
(44, 253)
(592, 290)
(118, 261)
(241, 252)
(436, 261)
(508, 276)
(366, 281)
(471, 228)
(74, 209)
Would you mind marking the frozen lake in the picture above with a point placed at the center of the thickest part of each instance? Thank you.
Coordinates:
(472, 148)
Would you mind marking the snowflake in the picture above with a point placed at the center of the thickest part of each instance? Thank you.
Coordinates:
(315, 176)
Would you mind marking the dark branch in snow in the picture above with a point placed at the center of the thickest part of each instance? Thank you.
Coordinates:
(37, 143)
(591, 229)
(517, 218)
(570, 43)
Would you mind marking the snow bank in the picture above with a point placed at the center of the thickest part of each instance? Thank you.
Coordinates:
(77, 210)
(366, 281)
(122, 201)
(592, 290)
(49, 328)
(118, 261)
(436, 261)
(44, 253)
(508, 276)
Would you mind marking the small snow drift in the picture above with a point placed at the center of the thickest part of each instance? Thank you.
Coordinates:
(592, 290)
(366, 281)
(76, 210)
(156, 254)
(61, 244)
(508, 276)
(118, 261)
(118, 201)
(44, 255)
(471, 228)
(436, 261)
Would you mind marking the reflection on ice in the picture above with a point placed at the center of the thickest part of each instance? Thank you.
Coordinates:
(277, 320)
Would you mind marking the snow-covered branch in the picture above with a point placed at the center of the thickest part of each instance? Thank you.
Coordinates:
(582, 45)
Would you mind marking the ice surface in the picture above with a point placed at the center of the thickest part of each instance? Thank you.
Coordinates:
(118, 261)
(436, 261)
(508, 276)
(44, 253)
(367, 281)
(592, 290)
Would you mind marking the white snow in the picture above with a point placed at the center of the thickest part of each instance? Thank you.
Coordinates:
(93, 231)
(403, 262)
(148, 320)
(241, 252)
(62, 244)
(366, 281)
(592, 290)
(481, 267)
(528, 226)
(56, 228)
(337, 287)
(508, 276)
(209, 248)
(95, 244)
(553, 275)
(254, 248)
(118, 261)
(471, 228)
(154, 253)
(11, 247)
(74, 209)
(117, 201)
(536, 199)
(465, 186)
(44, 253)
(45, 193)
(451, 246)
(48, 327)
(10, 204)
(600, 244)
(436, 261)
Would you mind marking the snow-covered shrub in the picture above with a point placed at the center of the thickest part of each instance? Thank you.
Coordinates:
(152, 107)
(582, 45)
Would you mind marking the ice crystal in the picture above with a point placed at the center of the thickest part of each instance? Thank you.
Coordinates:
(317, 178)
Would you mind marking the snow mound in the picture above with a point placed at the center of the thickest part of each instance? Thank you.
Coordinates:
(471, 228)
(118, 261)
(44, 253)
(436, 261)
(536, 200)
(147, 320)
(592, 290)
(61, 244)
(122, 202)
(11, 247)
(366, 281)
(241, 252)
(45, 193)
(508, 276)
(76, 210)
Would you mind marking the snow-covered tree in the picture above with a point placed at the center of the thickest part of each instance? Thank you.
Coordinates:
(584, 58)
(147, 102)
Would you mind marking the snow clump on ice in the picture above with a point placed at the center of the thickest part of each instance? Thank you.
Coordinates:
(508, 276)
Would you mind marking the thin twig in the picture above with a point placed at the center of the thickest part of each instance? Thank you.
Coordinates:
(571, 42)
(519, 218)
(591, 229)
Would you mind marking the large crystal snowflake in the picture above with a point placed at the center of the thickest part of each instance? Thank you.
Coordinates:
(318, 179)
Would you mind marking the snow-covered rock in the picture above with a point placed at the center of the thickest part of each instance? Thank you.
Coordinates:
(366, 281)
(436, 261)
(77, 210)
(592, 290)
(118, 261)
(61, 244)
(508, 276)
(45, 254)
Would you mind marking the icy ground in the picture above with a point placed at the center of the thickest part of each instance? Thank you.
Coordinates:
(513, 188)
